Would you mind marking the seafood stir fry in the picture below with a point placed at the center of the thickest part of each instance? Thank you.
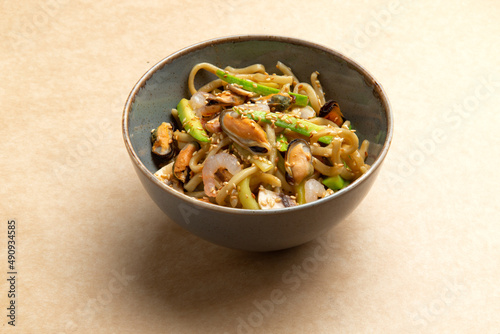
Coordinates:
(259, 141)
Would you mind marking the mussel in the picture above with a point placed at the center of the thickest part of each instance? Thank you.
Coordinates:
(298, 161)
(244, 131)
(209, 105)
(162, 140)
(181, 170)
(280, 101)
(331, 111)
(240, 91)
(213, 125)
(225, 98)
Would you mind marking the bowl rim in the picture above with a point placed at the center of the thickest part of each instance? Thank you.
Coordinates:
(245, 38)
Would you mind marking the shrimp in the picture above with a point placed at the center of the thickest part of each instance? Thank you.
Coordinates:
(314, 190)
(214, 163)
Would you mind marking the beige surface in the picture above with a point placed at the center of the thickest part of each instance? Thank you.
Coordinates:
(421, 255)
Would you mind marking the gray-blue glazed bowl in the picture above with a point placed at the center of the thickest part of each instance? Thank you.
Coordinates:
(360, 96)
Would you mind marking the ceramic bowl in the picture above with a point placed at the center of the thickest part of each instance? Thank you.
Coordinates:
(360, 96)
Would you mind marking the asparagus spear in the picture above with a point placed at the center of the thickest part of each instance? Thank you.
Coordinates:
(190, 122)
(300, 100)
(300, 189)
(335, 182)
(281, 142)
(295, 124)
(246, 197)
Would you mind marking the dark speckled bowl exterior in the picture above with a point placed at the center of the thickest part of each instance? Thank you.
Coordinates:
(361, 98)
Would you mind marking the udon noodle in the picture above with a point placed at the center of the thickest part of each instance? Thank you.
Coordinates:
(253, 140)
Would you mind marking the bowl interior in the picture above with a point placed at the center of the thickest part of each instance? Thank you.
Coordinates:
(361, 99)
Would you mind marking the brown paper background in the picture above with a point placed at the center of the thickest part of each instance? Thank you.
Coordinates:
(95, 255)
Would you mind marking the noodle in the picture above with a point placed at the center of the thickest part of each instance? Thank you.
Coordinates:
(323, 121)
(317, 87)
(263, 78)
(287, 71)
(363, 150)
(255, 68)
(220, 145)
(322, 151)
(182, 137)
(249, 147)
(206, 66)
(271, 136)
(193, 183)
(284, 184)
(193, 163)
(311, 93)
(327, 170)
(335, 145)
(237, 178)
(260, 178)
(196, 194)
(211, 85)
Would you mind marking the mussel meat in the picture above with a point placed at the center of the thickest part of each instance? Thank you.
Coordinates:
(240, 91)
(280, 101)
(225, 98)
(181, 170)
(331, 111)
(244, 131)
(162, 140)
(298, 161)
(213, 125)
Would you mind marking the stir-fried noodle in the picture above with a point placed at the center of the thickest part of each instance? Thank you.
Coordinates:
(254, 140)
